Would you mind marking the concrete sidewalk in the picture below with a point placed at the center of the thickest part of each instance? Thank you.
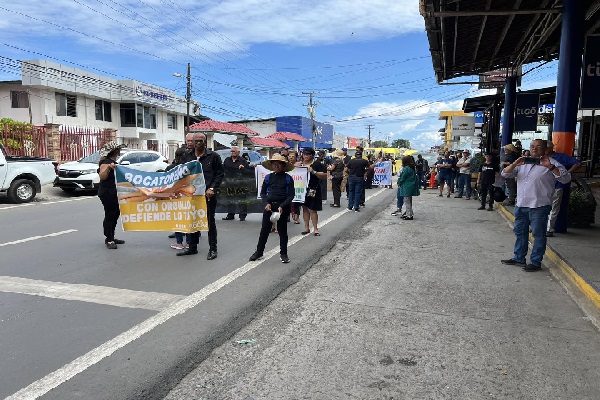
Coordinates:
(418, 309)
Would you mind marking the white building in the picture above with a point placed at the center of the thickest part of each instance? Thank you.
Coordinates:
(142, 114)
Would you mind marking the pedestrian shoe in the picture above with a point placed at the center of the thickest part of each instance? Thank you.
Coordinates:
(212, 254)
(187, 252)
(448, 196)
(362, 204)
(228, 218)
(532, 268)
(490, 208)
(404, 217)
(111, 245)
(397, 212)
(467, 198)
(458, 197)
(255, 256)
(357, 210)
(481, 208)
(119, 241)
(284, 258)
(177, 246)
(171, 236)
(549, 234)
(349, 208)
(511, 261)
(440, 195)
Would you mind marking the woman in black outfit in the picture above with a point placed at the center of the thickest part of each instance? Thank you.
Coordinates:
(107, 191)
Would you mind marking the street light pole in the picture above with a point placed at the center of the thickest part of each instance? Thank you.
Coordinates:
(188, 99)
(311, 111)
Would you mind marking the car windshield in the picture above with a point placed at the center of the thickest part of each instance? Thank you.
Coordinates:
(93, 158)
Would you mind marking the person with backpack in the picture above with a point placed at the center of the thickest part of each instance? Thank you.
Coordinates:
(277, 193)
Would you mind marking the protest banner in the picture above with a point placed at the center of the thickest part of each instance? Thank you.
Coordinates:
(237, 193)
(299, 176)
(383, 174)
(171, 201)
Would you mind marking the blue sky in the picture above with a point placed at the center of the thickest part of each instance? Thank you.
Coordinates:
(368, 62)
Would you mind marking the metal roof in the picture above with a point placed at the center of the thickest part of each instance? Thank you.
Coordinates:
(470, 37)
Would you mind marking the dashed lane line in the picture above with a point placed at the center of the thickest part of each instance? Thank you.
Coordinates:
(80, 364)
(89, 293)
(29, 239)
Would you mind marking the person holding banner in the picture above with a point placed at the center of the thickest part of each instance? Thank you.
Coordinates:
(107, 192)
(277, 193)
(312, 202)
(212, 167)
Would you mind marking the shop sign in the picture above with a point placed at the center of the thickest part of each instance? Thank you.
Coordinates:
(590, 83)
(526, 112)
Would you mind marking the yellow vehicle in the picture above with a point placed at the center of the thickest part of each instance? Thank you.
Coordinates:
(394, 154)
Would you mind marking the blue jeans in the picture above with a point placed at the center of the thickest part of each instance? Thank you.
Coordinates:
(356, 184)
(537, 218)
(400, 201)
(422, 181)
(464, 180)
(179, 237)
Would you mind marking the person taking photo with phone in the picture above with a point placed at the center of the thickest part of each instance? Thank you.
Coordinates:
(535, 187)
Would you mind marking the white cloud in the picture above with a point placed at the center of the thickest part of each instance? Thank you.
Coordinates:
(181, 29)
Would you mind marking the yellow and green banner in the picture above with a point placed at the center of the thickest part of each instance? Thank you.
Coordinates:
(172, 201)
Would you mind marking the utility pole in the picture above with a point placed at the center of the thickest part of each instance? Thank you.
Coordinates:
(188, 99)
(312, 111)
(369, 127)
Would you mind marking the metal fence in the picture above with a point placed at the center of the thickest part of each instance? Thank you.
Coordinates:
(79, 141)
(24, 140)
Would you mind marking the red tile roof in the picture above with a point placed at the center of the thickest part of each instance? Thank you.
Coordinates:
(210, 125)
(266, 142)
(287, 136)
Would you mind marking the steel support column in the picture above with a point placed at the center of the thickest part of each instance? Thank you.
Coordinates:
(510, 98)
(568, 91)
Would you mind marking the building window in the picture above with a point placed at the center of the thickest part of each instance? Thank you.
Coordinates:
(172, 121)
(66, 105)
(103, 111)
(146, 117)
(133, 115)
(19, 99)
(128, 115)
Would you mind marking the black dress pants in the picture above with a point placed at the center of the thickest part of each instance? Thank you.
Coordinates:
(265, 230)
(211, 207)
(336, 188)
(111, 214)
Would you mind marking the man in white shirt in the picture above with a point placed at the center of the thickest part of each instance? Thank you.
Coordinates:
(464, 174)
(536, 177)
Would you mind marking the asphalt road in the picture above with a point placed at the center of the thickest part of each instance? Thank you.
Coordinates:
(81, 321)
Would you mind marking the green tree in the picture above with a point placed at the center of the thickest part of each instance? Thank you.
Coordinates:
(379, 143)
(397, 143)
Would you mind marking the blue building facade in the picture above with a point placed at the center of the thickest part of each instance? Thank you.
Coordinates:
(303, 126)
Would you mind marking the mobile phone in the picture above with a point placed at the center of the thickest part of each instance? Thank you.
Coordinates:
(532, 160)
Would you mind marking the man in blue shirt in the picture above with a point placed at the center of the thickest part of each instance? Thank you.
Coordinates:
(444, 171)
(571, 164)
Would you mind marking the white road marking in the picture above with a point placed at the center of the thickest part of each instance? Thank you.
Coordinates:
(29, 239)
(89, 293)
(80, 364)
(46, 202)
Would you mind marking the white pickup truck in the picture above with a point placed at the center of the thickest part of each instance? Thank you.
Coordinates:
(22, 177)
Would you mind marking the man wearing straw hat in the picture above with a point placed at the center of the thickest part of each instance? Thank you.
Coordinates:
(277, 193)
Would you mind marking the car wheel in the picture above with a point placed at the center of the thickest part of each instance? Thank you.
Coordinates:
(21, 191)
(68, 190)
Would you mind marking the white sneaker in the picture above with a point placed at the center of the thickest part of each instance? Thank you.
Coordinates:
(177, 246)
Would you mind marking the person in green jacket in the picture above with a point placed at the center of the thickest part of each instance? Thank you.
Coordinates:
(408, 182)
